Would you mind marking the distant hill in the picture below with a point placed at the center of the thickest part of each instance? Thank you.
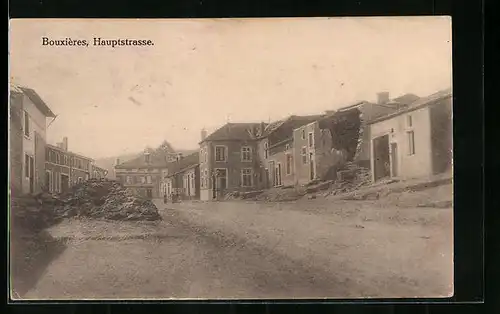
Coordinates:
(108, 163)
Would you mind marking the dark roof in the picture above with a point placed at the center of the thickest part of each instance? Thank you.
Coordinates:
(182, 164)
(36, 99)
(292, 121)
(421, 102)
(233, 131)
(156, 160)
(406, 99)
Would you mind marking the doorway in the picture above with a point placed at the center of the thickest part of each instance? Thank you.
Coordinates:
(278, 175)
(221, 174)
(394, 160)
(381, 157)
(311, 167)
(30, 170)
(271, 171)
(64, 183)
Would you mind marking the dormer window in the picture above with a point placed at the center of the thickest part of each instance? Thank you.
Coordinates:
(147, 158)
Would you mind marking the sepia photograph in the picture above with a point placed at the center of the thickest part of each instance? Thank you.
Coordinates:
(231, 159)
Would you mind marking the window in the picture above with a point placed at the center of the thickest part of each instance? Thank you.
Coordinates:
(58, 160)
(310, 139)
(303, 135)
(27, 166)
(409, 121)
(129, 180)
(26, 124)
(80, 179)
(246, 177)
(143, 180)
(411, 143)
(66, 160)
(220, 153)
(266, 150)
(287, 147)
(246, 153)
(303, 153)
(289, 163)
(205, 155)
(148, 179)
(192, 182)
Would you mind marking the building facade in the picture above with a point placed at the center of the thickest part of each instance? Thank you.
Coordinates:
(144, 175)
(324, 146)
(415, 141)
(28, 116)
(229, 160)
(182, 178)
(64, 169)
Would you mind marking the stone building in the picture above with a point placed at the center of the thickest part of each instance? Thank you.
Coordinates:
(415, 141)
(27, 130)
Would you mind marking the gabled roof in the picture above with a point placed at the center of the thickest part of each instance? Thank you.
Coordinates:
(293, 121)
(156, 160)
(183, 164)
(35, 98)
(421, 102)
(233, 131)
(406, 99)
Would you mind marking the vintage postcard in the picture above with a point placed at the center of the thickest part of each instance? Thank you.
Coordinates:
(276, 158)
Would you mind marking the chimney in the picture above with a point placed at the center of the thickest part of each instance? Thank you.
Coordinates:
(203, 134)
(117, 161)
(262, 127)
(147, 157)
(382, 98)
(65, 143)
(60, 145)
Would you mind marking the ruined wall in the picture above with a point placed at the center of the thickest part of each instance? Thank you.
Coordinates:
(279, 156)
(442, 135)
(302, 165)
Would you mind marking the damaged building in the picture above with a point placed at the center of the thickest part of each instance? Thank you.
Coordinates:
(325, 146)
(414, 141)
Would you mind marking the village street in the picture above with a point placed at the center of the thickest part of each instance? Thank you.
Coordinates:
(305, 249)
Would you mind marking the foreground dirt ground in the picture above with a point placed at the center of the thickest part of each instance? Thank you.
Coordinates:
(305, 249)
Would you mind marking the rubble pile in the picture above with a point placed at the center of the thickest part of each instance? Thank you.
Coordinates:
(93, 198)
(251, 195)
(280, 195)
(351, 177)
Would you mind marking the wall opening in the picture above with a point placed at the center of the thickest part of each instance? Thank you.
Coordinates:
(381, 157)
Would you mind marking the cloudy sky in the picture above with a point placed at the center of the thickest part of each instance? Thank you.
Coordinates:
(202, 73)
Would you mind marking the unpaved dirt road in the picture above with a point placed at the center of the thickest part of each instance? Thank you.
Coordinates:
(248, 251)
